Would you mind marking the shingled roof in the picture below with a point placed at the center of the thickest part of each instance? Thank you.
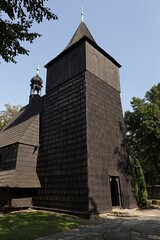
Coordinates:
(23, 128)
(23, 125)
(82, 34)
(82, 31)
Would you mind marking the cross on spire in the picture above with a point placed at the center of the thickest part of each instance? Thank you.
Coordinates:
(82, 14)
(37, 70)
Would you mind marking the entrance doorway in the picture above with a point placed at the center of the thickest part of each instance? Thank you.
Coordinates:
(115, 191)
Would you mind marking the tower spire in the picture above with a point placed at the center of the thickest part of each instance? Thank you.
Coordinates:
(82, 14)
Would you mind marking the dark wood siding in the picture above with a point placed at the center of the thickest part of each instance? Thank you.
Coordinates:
(68, 66)
(106, 144)
(62, 161)
(8, 157)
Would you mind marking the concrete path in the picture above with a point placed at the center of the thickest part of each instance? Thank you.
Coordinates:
(120, 225)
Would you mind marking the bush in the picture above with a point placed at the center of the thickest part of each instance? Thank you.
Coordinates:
(154, 201)
(139, 183)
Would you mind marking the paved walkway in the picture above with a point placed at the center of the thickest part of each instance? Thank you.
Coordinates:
(121, 225)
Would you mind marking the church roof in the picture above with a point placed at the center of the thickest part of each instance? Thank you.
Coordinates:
(82, 34)
(82, 31)
(24, 127)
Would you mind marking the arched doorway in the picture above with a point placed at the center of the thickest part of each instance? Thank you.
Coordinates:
(115, 191)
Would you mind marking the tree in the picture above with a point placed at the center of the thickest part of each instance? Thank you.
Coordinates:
(16, 20)
(143, 132)
(138, 182)
(7, 114)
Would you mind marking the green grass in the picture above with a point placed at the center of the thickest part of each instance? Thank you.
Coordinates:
(29, 225)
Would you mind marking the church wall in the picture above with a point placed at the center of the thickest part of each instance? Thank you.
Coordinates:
(62, 160)
(27, 159)
(102, 67)
(8, 157)
(21, 160)
(66, 67)
(107, 151)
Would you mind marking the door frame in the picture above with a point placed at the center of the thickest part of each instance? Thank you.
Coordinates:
(117, 179)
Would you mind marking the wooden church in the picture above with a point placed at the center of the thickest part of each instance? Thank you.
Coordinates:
(67, 151)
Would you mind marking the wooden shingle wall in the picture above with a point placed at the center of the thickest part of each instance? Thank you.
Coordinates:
(103, 68)
(62, 160)
(8, 157)
(66, 67)
(106, 144)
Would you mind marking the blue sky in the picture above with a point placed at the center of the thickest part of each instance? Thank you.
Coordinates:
(127, 30)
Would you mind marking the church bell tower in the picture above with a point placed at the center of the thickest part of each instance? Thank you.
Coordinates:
(83, 162)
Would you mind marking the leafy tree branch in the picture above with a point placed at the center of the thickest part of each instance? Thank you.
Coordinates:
(16, 20)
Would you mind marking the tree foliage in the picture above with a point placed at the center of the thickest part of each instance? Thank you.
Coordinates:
(143, 131)
(7, 114)
(139, 182)
(16, 20)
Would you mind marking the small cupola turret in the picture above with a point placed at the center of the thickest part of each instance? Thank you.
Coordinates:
(36, 84)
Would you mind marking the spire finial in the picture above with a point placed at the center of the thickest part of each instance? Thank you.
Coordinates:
(37, 70)
(82, 14)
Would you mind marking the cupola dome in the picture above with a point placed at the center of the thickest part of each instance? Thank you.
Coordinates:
(36, 84)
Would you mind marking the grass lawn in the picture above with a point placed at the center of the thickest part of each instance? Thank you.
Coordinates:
(28, 225)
